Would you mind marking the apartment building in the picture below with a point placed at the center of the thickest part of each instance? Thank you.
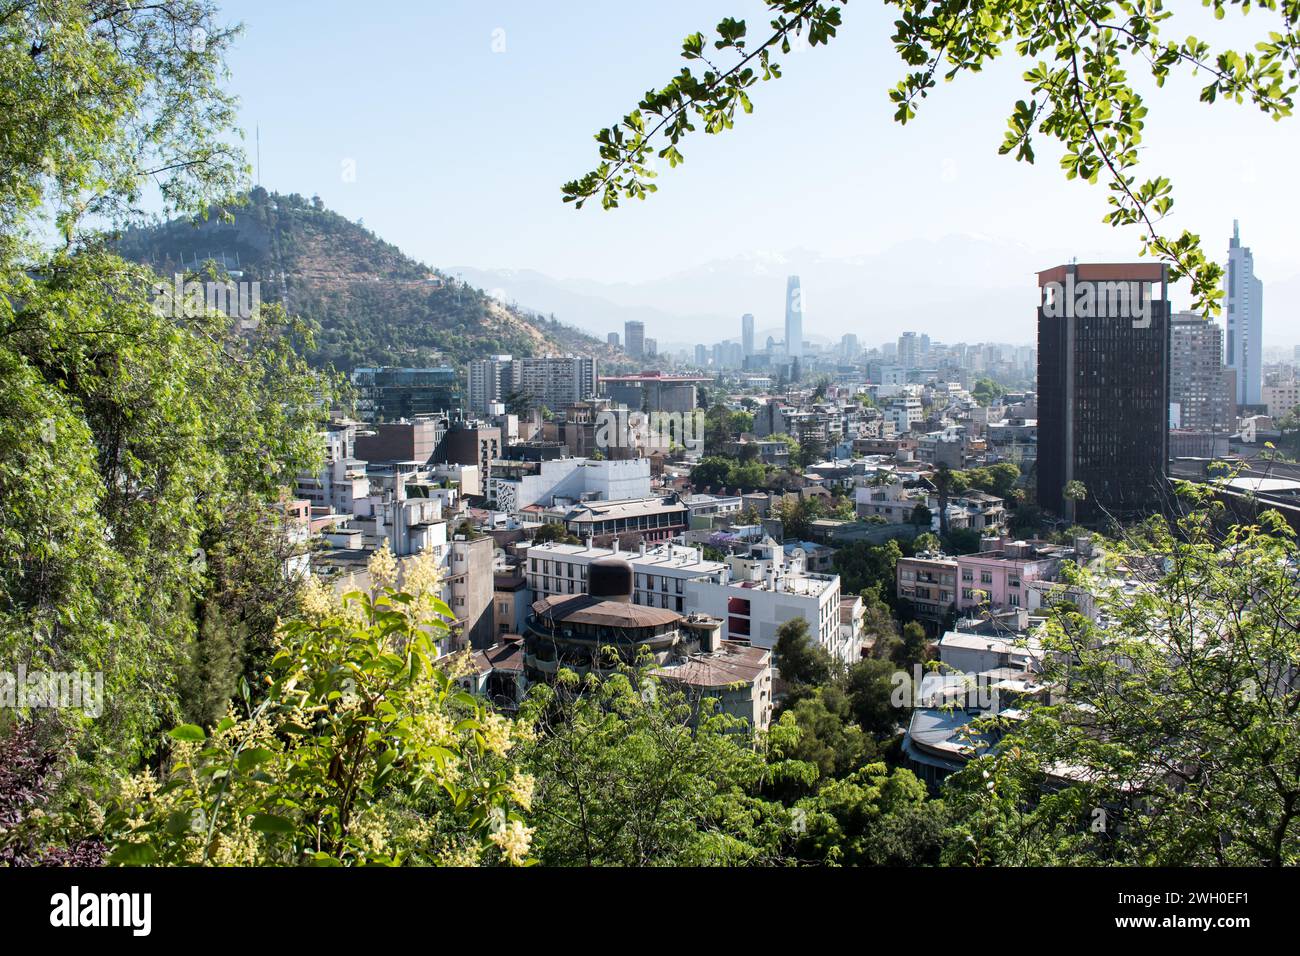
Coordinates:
(929, 582)
(894, 503)
(753, 593)
(471, 583)
(653, 519)
(1000, 576)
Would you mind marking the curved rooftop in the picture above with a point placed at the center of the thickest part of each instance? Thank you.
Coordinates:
(586, 609)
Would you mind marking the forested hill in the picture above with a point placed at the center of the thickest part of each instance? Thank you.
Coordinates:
(372, 304)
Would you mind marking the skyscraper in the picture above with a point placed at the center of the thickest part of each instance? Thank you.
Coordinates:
(908, 350)
(490, 380)
(634, 339)
(1199, 395)
(793, 318)
(1103, 389)
(1245, 296)
(747, 334)
(553, 381)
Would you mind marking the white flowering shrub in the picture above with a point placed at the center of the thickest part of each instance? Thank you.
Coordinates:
(363, 750)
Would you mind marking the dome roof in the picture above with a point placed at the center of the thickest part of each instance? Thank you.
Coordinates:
(589, 609)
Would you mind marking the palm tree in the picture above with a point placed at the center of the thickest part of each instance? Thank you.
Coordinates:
(946, 482)
(1074, 492)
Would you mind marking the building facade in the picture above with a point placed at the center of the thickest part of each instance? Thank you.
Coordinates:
(1103, 389)
(634, 339)
(793, 318)
(1198, 390)
(390, 393)
(1244, 302)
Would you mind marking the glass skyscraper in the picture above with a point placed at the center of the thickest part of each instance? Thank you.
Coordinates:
(1245, 295)
(793, 318)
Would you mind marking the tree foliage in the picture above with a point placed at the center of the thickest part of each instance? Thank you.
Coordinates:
(1079, 59)
(1178, 724)
(363, 750)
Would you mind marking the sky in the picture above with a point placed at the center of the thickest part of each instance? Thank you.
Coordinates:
(448, 127)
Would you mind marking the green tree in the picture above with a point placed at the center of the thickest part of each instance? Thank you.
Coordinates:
(1073, 493)
(141, 440)
(362, 751)
(630, 773)
(914, 648)
(556, 532)
(1178, 722)
(829, 737)
(799, 660)
(873, 817)
(921, 517)
(999, 479)
(863, 566)
(870, 688)
(986, 391)
(926, 542)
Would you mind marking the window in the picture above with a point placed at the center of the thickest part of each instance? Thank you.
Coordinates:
(986, 577)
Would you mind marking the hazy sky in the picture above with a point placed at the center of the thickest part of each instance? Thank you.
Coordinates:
(460, 151)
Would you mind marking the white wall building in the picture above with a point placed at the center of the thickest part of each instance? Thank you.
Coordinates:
(753, 594)
(573, 479)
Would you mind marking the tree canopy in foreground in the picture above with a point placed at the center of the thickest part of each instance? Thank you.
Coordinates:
(1079, 58)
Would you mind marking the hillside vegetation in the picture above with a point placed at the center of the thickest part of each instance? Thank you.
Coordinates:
(370, 303)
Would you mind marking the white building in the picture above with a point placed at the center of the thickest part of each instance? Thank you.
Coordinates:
(752, 593)
(659, 574)
(761, 590)
(572, 479)
(342, 479)
(903, 412)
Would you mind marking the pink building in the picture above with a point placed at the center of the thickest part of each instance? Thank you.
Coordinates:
(999, 577)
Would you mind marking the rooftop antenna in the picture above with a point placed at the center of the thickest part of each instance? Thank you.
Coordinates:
(259, 154)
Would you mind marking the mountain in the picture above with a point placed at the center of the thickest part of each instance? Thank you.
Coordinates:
(371, 304)
(958, 288)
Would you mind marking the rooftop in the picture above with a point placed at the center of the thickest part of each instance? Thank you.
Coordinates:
(663, 556)
(585, 609)
(734, 663)
(625, 508)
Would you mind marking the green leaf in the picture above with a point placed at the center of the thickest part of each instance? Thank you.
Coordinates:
(132, 854)
(270, 823)
(249, 759)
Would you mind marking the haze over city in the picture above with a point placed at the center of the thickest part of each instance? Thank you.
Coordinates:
(481, 111)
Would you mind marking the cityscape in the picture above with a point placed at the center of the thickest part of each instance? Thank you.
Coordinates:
(316, 554)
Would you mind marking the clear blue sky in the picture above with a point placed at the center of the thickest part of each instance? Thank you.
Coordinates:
(460, 151)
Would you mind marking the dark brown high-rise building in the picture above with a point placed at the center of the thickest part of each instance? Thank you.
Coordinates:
(1103, 389)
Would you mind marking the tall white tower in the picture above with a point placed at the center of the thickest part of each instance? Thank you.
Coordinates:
(793, 318)
(1245, 340)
